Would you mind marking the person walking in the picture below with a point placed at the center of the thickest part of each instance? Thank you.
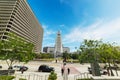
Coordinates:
(56, 60)
(68, 70)
(22, 70)
(62, 71)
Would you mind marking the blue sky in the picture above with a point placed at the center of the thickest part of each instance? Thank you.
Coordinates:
(78, 20)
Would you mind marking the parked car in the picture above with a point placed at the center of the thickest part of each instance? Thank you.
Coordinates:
(45, 68)
(90, 70)
(18, 68)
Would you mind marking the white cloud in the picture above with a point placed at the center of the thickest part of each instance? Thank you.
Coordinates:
(47, 32)
(48, 39)
(108, 31)
(49, 44)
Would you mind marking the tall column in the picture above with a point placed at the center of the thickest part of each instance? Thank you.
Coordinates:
(58, 46)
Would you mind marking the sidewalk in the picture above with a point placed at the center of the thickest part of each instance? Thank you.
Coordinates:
(76, 70)
(33, 66)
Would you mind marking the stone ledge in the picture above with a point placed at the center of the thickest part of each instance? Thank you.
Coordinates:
(106, 78)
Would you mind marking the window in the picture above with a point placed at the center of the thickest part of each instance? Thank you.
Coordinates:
(4, 37)
(7, 29)
(9, 26)
(11, 19)
(6, 33)
(10, 22)
(12, 16)
(13, 13)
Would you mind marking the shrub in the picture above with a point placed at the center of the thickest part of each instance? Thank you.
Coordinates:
(22, 79)
(6, 77)
(52, 76)
(74, 61)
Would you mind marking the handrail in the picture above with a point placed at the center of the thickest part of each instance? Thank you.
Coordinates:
(81, 76)
(31, 76)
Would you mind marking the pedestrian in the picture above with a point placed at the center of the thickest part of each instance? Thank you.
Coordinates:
(68, 71)
(22, 70)
(62, 71)
(56, 60)
(108, 71)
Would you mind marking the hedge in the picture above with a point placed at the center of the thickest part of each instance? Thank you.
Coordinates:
(22, 79)
(6, 77)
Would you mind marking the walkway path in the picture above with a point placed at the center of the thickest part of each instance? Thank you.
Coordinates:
(73, 70)
(76, 69)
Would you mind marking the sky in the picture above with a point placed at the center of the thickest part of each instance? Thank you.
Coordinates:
(78, 20)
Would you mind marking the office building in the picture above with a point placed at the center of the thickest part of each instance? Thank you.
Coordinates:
(17, 17)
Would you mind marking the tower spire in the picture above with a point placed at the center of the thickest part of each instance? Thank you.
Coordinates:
(58, 45)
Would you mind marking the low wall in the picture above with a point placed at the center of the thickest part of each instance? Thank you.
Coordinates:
(5, 72)
(106, 78)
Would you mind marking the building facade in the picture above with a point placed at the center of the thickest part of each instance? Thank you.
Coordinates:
(52, 50)
(17, 17)
(58, 49)
(49, 49)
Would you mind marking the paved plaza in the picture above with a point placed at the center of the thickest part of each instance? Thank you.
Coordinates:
(76, 70)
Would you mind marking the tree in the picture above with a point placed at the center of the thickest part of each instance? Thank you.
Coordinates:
(66, 55)
(89, 50)
(15, 49)
(109, 54)
(75, 56)
(96, 51)
(117, 58)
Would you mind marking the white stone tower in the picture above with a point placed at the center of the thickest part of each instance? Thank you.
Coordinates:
(58, 46)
